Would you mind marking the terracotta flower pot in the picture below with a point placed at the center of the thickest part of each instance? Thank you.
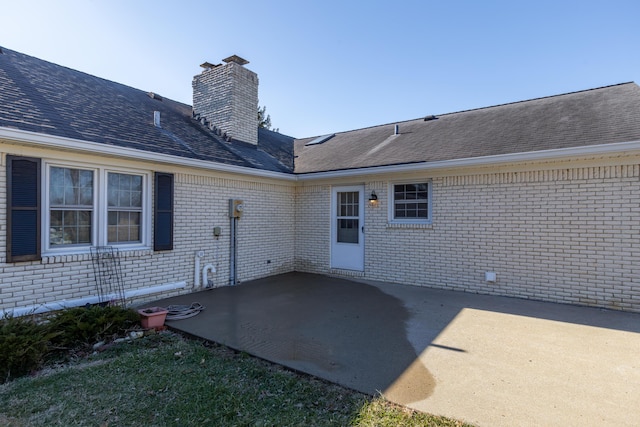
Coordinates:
(152, 317)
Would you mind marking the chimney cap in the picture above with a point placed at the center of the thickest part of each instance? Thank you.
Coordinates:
(209, 65)
(236, 59)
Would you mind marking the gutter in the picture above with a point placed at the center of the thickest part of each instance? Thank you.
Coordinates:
(500, 159)
(51, 141)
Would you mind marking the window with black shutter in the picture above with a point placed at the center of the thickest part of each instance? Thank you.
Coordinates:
(23, 209)
(163, 212)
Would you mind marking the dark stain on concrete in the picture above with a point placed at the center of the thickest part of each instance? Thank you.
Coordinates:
(345, 332)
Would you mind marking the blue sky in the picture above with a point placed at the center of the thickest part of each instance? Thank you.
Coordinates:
(331, 66)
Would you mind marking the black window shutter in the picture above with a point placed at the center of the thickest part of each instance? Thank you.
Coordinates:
(163, 212)
(23, 209)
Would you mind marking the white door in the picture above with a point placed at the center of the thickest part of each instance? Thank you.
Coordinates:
(347, 227)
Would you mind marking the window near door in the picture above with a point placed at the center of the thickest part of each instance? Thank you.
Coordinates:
(411, 202)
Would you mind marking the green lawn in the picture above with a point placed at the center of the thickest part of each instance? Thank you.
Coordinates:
(166, 380)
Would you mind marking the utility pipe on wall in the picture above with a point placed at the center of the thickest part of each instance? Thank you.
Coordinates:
(233, 268)
(205, 274)
(197, 273)
(236, 207)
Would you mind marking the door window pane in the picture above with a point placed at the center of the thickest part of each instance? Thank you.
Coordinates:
(348, 203)
(348, 224)
(348, 230)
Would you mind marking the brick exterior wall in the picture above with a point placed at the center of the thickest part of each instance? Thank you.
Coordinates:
(566, 235)
(313, 225)
(227, 96)
(265, 243)
(552, 232)
(265, 231)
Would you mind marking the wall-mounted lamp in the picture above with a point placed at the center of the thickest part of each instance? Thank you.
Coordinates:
(373, 199)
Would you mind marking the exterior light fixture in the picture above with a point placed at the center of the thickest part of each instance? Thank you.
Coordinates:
(373, 199)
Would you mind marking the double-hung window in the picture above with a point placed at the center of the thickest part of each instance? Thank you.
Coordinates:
(410, 203)
(71, 208)
(94, 207)
(56, 207)
(124, 208)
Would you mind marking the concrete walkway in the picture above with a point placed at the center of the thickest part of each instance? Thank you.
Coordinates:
(490, 361)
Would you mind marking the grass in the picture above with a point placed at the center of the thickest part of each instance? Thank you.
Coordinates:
(166, 380)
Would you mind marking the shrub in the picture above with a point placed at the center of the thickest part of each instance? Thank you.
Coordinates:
(25, 342)
(84, 326)
(23, 345)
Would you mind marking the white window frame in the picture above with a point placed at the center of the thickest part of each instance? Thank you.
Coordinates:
(46, 210)
(392, 203)
(99, 233)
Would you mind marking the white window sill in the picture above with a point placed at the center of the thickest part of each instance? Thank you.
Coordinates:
(84, 254)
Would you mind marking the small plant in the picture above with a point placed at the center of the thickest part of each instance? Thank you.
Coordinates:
(23, 346)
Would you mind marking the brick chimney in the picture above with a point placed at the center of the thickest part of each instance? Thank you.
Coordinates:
(227, 96)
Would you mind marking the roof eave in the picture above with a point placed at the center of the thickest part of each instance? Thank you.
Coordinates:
(501, 159)
(52, 141)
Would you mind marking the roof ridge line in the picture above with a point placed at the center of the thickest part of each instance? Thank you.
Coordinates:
(475, 109)
(536, 99)
(5, 50)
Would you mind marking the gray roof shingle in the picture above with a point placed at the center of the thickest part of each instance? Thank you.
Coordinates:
(597, 116)
(39, 96)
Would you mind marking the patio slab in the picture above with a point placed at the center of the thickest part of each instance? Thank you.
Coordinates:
(487, 360)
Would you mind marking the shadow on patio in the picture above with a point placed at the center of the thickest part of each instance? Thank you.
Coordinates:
(487, 360)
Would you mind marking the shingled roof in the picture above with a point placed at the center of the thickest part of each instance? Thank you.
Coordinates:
(598, 116)
(39, 96)
(42, 97)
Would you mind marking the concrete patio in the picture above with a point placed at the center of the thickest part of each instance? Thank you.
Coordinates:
(487, 360)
